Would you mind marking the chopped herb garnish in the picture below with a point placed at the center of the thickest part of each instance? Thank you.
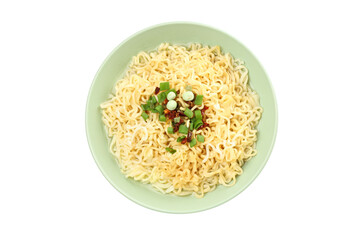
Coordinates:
(154, 111)
(144, 116)
(164, 86)
(171, 90)
(183, 129)
(193, 142)
(180, 138)
(191, 126)
(170, 130)
(170, 150)
(160, 109)
(188, 113)
(145, 107)
(177, 120)
(162, 118)
(161, 97)
(198, 114)
(198, 123)
(153, 99)
(198, 99)
(200, 138)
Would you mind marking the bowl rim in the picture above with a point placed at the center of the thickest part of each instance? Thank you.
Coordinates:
(87, 128)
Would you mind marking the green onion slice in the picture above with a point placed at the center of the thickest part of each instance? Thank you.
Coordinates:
(144, 116)
(200, 138)
(170, 150)
(180, 138)
(160, 109)
(183, 129)
(193, 142)
(198, 123)
(198, 114)
(188, 113)
(162, 118)
(198, 99)
(164, 86)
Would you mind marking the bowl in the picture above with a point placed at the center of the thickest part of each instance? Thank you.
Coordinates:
(112, 69)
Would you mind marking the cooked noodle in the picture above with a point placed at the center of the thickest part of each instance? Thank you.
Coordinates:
(233, 114)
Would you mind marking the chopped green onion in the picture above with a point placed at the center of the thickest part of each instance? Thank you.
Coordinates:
(180, 138)
(188, 113)
(171, 90)
(154, 111)
(170, 130)
(161, 97)
(177, 120)
(144, 116)
(171, 105)
(162, 118)
(171, 96)
(183, 129)
(198, 123)
(191, 126)
(193, 142)
(153, 99)
(198, 114)
(145, 107)
(164, 86)
(188, 96)
(188, 88)
(170, 150)
(200, 138)
(160, 109)
(198, 99)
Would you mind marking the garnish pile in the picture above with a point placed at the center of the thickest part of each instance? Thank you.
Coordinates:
(183, 119)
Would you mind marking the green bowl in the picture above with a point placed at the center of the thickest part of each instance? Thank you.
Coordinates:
(115, 65)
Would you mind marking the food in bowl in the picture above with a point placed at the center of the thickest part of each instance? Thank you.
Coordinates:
(183, 118)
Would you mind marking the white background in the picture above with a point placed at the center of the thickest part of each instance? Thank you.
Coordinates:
(51, 187)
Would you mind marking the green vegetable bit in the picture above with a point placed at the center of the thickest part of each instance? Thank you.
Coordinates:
(200, 138)
(171, 90)
(162, 118)
(198, 99)
(153, 99)
(170, 130)
(145, 107)
(198, 123)
(144, 116)
(164, 86)
(198, 114)
(191, 126)
(180, 138)
(170, 150)
(161, 97)
(160, 109)
(188, 113)
(193, 142)
(154, 111)
(177, 120)
(183, 129)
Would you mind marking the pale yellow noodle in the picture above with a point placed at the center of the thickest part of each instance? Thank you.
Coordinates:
(233, 114)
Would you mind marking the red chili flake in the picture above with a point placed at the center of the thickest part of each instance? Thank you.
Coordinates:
(176, 128)
(166, 111)
(157, 90)
(183, 141)
(178, 92)
(166, 101)
(172, 114)
(188, 137)
(181, 113)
